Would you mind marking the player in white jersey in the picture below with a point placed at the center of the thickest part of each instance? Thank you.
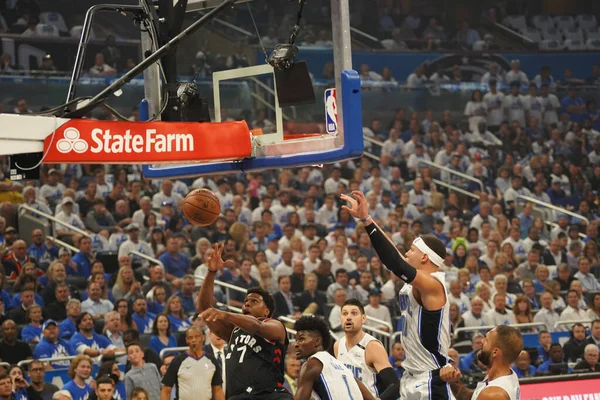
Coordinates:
(425, 308)
(322, 377)
(364, 355)
(500, 349)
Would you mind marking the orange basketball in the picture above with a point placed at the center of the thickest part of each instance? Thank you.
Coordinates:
(201, 207)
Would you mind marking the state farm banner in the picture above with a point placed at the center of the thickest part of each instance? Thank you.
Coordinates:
(119, 142)
(587, 389)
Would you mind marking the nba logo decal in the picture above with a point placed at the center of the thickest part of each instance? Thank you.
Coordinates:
(331, 116)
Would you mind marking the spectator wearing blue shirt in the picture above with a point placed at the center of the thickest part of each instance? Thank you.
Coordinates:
(176, 263)
(43, 252)
(523, 367)
(526, 219)
(142, 318)
(174, 311)
(158, 301)
(468, 363)
(545, 343)
(32, 333)
(88, 342)
(557, 356)
(574, 106)
(29, 282)
(186, 294)
(51, 346)
(68, 327)
(79, 372)
(161, 334)
(396, 357)
(82, 260)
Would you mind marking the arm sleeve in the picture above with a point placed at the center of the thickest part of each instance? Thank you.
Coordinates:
(391, 383)
(389, 255)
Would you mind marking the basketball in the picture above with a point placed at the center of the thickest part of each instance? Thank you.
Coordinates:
(201, 207)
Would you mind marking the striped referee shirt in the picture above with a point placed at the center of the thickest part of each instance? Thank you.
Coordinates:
(193, 378)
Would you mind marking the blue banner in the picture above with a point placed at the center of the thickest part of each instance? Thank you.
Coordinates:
(472, 64)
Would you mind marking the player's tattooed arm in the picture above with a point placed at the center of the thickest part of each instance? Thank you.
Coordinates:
(460, 391)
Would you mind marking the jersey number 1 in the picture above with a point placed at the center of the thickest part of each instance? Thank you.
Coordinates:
(347, 387)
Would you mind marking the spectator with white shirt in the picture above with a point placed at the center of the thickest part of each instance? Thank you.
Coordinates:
(417, 79)
(475, 110)
(514, 104)
(377, 310)
(166, 195)
(516, 75)
(534, 105)
(572, 312)
(456, 296)
(551, 106)
(492, 75)
(499, 315)
(52, 190)
(475, 316)
(331, 183)
(494, 103)
(547, 314)
(70, 219)
(588, 280)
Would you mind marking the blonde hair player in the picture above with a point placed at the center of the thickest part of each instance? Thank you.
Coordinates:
(425, 309)
(500, 349)
(364, 355)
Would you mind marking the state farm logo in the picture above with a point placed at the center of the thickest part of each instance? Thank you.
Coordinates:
(103, 141)
(72, 142)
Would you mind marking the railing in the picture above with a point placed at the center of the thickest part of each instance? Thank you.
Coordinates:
(53, 219)
(571, 322)
(63, 244)
(54, 359)
(146, 257)
(168, 350)
(364, 34)
(455, 188)
(488, 327)
(558, 209)
(453, 172)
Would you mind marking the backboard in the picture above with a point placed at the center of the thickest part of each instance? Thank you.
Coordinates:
(277, 150)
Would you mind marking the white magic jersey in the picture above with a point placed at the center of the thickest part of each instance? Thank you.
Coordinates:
(510, 384)
(425, 334)
(354, 359)
(336, 381)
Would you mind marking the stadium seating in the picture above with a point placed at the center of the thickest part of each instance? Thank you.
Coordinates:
(575, 44)
(542, 22)
(532, 34)
(551, 45)
(593, 44)
(587, 21)
(564, 21)
(552, 34)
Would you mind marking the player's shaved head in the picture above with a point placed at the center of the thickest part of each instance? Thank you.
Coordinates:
(509, 341)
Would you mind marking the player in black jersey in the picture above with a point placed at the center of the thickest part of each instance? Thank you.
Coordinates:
(257, 343)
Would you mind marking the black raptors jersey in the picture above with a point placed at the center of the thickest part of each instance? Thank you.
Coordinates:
(254, 364)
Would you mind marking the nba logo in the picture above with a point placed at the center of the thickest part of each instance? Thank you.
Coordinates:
(331, 117)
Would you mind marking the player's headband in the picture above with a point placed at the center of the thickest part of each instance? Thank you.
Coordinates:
(433, 256)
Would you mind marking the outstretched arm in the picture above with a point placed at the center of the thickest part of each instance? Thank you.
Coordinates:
(378, 358)
(221, 328)
(431, 290)
(270, 329)
(310, 371)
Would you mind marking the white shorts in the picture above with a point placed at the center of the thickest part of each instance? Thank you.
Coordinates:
(424, 386)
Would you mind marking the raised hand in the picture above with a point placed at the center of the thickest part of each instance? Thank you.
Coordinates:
(358, 205)
(450, 374)
(215, 260)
